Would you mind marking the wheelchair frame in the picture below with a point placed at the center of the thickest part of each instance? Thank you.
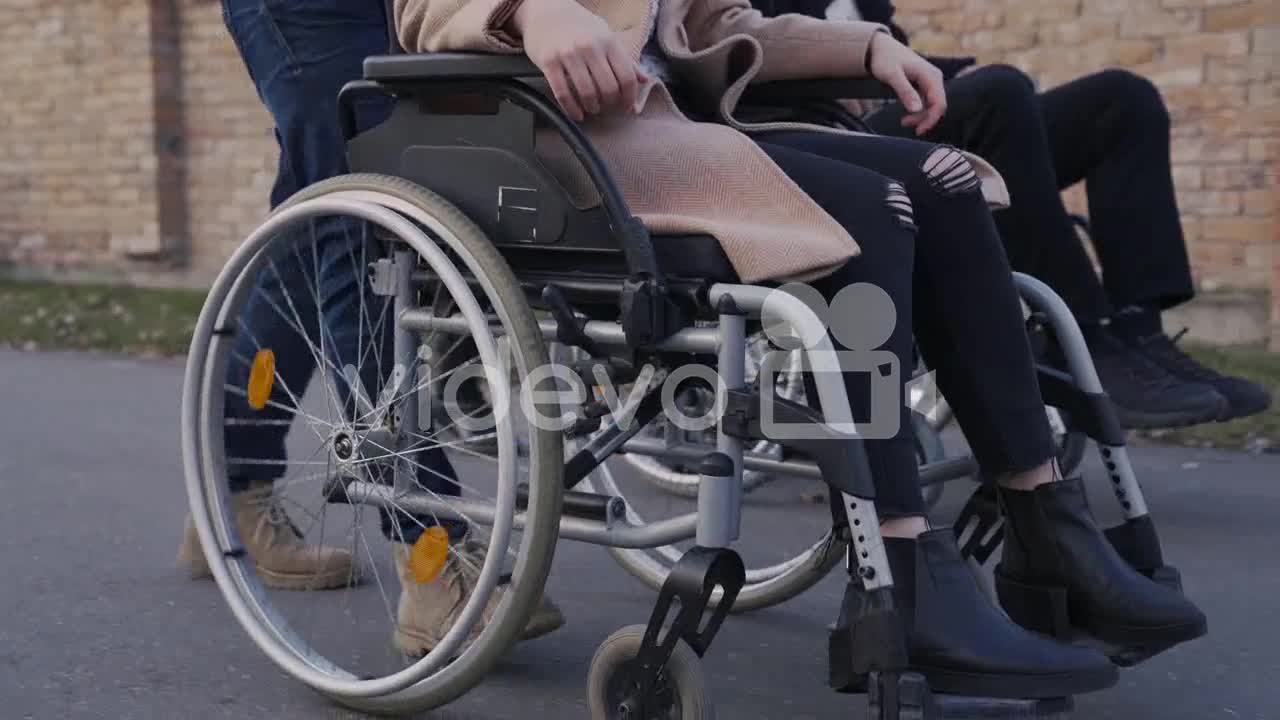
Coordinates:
(656, 322)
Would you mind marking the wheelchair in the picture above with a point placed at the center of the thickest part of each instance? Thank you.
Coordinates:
(465, 261)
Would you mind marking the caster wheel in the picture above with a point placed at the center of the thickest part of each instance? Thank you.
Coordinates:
(681, 693)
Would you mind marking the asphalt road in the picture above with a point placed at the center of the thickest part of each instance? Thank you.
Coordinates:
(96, 622)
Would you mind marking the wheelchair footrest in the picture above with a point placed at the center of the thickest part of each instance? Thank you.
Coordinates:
(907, 696)
(867, 638)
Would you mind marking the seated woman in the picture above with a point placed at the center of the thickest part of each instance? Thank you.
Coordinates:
(787, 202)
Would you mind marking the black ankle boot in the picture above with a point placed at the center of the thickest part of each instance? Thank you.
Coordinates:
(1059, 574)
(961, 642)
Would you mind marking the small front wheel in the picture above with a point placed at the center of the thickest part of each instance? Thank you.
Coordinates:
(681, 692)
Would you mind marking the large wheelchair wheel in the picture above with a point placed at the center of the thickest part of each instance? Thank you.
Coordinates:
(328, 282)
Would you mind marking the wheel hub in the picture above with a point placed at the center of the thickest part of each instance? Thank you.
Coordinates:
(343, 447)
(353, 449)
(661, 705)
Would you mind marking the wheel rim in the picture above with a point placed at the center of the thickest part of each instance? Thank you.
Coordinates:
(664, 702)
(203, 402)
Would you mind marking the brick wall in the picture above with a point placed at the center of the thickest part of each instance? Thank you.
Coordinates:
(134, 147)
(1217, 63)
(78, 162)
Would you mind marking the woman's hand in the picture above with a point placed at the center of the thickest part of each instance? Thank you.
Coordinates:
(585, 62)
(912, 78)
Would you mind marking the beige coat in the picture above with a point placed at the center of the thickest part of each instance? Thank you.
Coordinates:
(677, 175)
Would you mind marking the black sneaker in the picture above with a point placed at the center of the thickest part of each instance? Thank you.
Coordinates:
(1244, 397)
(1146, 395)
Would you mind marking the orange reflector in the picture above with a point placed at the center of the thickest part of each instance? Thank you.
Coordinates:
(427, 557)
(262, 376)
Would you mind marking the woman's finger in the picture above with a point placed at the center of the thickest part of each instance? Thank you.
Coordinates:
(897, 79)
(580, 77)
(935, 94)
(625, 70)
(562, 91)
(605, 79)
(931, 118)
(929, 121)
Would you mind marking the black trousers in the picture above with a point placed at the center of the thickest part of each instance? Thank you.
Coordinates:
(1111, 130)
(928, 241)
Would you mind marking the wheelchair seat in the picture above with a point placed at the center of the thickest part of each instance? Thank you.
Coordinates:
(693, 256)
(687, 257)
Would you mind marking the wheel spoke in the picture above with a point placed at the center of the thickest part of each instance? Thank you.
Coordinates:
(312, 422)
(318, 356)
(404, 456)
(244, 392)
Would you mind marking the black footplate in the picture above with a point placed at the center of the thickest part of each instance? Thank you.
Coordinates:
(907, 696)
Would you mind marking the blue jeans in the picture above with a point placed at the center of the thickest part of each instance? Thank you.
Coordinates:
(299, 54)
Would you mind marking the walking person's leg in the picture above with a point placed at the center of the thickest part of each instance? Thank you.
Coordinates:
(1112, 131)
(297, 70)
(996, 113)
(968, 322)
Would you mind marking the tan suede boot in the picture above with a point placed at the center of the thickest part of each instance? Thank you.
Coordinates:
(282, 559)
(427, 611)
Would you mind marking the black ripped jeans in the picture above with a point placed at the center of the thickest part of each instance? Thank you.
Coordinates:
(1109, 129)
(928, 241)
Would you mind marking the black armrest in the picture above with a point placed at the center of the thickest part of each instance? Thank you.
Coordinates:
(791, 92)
(449, 66)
